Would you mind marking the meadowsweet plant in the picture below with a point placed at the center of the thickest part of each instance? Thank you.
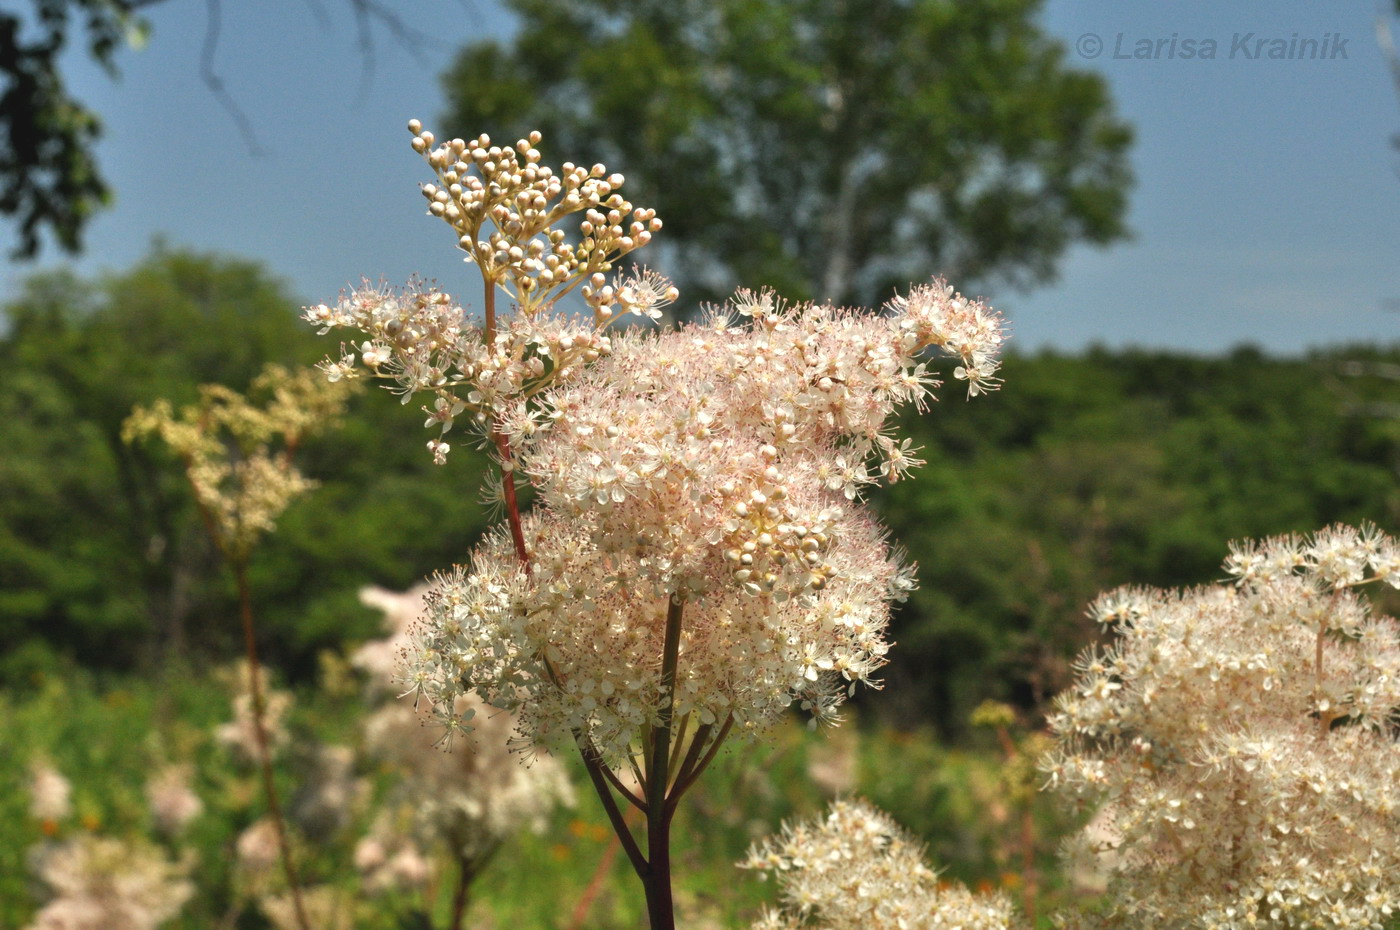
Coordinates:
(698, 558)
(1244, 740)
(104, 883)
(237, 452)
(855, 869)
(238, 449)
(465, 803)
(171, 800)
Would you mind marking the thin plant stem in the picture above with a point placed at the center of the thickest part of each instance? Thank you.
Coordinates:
(637, 772)
(1324, 717)
(594, 767)
(697, 746)
(677, 746)
(687, 779)
(622, 789)
(508, 493)
(245, 603)
(512, 502)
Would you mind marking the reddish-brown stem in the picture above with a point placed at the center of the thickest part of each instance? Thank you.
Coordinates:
(245, 602)
(512, 501)
(517, 530)
(1029, 879)
(686, 779)
(692, 755)
(657, 880)
(622, 789)
(489, 329)
(594, 766)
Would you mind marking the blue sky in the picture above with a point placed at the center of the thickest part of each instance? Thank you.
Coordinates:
(1267, 205)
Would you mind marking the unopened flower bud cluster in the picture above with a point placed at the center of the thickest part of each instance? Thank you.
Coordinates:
(856, 869)
(505, 207)
(719, 464)
(1245, 742)
(237, 452)
(522, 201)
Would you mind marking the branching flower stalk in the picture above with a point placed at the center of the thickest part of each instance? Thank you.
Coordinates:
(237, 458)
(697, 558)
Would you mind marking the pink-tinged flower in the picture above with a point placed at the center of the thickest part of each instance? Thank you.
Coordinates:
(719, 465)
(50, 794)
(172, 802)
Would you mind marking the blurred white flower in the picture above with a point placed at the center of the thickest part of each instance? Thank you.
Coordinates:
(50, 794)
(172, 802)
(1246, 739)
(101, 883)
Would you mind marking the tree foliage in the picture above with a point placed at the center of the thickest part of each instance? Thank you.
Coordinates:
(1091, 472)
(825, 147)
(48, 173)
(101, 547)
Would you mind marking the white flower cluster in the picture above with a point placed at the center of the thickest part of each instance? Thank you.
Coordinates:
(1244, 742)
(468, 800)
(856, 869)
(473, 798)
(419, 338)
(102, 883)
(717, 467)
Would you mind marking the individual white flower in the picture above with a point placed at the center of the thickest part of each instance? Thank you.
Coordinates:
(256, 847)
(239, 736)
